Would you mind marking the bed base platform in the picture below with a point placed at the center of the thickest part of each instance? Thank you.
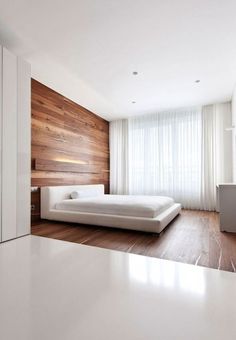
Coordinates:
(51, 195)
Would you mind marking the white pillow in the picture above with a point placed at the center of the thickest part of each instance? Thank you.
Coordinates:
(84, 193)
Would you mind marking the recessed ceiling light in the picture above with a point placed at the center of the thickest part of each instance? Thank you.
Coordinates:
(135, 73)
(133, 102)
(197, 81)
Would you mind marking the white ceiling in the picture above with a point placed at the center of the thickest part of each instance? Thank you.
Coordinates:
(88, 49)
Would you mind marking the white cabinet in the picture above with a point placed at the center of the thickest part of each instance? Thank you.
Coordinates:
(226, 194)
(23, 148)
(9, 145)
(15, 146)
(1, 57)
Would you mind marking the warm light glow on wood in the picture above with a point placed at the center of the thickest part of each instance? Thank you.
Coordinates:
(69, 161)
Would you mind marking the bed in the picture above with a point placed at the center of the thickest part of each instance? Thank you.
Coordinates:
(91, 206)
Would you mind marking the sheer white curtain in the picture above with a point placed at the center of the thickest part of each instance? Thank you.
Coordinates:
(165, 155)
(217, 163)
(182, 154)
(119, 157)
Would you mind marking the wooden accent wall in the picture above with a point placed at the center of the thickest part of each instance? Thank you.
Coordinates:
(70, 145)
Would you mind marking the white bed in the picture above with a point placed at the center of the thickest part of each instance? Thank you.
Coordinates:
(146, 213)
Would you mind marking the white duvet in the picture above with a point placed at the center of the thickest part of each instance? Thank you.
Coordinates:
(125, 205)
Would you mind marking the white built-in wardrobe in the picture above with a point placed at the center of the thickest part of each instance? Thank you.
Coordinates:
(15, 135)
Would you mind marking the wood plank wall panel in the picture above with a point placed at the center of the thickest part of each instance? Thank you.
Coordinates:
(64, 132)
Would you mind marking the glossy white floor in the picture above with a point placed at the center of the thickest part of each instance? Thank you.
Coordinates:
(58, 290)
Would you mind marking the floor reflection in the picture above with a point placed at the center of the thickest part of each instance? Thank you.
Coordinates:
(166, 274)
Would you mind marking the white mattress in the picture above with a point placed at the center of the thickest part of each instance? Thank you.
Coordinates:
(123, 205)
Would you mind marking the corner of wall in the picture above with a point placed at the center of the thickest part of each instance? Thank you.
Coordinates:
(233, 105)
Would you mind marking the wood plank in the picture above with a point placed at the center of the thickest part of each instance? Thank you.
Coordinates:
(68, 155)
(193, 237)
(59, 142)
(70, 131)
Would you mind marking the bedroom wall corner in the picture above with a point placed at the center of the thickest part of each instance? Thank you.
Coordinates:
(233, 105)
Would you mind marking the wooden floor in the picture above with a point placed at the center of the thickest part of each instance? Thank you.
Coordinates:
(193, 237)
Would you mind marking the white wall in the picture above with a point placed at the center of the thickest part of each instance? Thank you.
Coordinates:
(15, 143)
(234, 134)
